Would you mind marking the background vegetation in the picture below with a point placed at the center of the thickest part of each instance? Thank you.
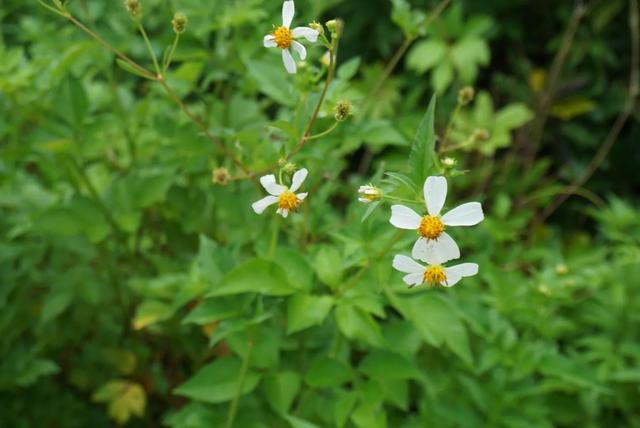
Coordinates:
(135, 291)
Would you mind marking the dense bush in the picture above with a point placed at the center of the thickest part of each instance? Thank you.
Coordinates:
(138, 286)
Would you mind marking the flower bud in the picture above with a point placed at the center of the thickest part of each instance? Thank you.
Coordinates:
(282, 162)
(289, 168)
(334, 26)
(179, 22)
(449, 162)
(342, 110)
(326, 59)
(220, 176)
(369, 194)
(466, 95)
(318, 27)
(134, 8)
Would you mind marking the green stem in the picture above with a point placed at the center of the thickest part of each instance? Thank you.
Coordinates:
(274, 237)
(169, 58)
(149, 48)
(323, 133)
(452, 119)
(396, 199)
(233, 407)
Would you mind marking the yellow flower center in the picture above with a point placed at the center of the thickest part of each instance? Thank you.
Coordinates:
(434, 276)
(283, 37)
(431, 227)
(288, 201)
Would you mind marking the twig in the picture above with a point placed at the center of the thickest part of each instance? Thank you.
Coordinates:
(621, 120)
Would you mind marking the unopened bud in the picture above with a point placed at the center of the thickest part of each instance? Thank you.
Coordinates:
(466, 95)
(179, 22)
(326, 59)
(334, 26)
(369, 194)
(317, 26)
(282, 162)
(220, 176)
(449, 162)
(134, 8)
(342, 110)
(289, 168)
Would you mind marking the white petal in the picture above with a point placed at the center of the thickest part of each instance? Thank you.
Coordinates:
(270, 185)
(288, 60)
(297, 46)
(269, 41)
(283, 212)
(468, 214)
(407, 264)
(413, 279)
(306, 32)
(436, 251)
(298, 178)
(288, 10)
(435, 192)
(404, 218)
(262, 204)
(301, 196)
(456, 273)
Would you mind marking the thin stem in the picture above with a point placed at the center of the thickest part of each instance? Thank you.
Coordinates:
(172, 51)
(452, 119)
(119, 54)
(396, 199)
(621, 120)
(233, 407)
(323, 133)
(204, 129)
(149, 48)
(274, 237)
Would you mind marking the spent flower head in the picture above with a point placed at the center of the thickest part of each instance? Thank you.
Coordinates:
(179, 22)
(317, 26)
(432, 238)
(342, 110)
(284, 38)
(284, 196)
(466, 95)
(134, 7)
(220, 176)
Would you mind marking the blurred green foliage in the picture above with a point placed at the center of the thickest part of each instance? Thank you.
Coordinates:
(135, 291)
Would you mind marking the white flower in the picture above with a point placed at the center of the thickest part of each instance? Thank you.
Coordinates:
(431, 227)
(284, 38)
(434, 274)
(369, 194)
(285, 197)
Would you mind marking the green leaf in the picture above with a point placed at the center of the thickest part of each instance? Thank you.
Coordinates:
(442, 77)
(437, 321)
(343, 407)
(513, 116)
(384, 365)
(131, 69)
(151, 312)
(217, 382)
(327, 372)
(305, 310)
(349, 68)
(280, 389)
(358, 324)
(216, 309)
(425, 55)
(328, 265)
(423, 158)
(271, 81)
(125, 399)
(255, 276)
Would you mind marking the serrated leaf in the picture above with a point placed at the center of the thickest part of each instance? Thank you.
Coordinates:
(305, 310)
(422, 158)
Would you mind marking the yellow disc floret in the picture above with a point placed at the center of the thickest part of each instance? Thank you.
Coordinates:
(434, 276)
(288, 201)
(282, 37)
(431, 227)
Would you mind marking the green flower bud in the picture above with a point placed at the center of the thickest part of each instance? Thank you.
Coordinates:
(342, 110)
(466, 95)
(134, 8)
(179, 22)
(334, 26)
(449, 162)
(290, 168)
